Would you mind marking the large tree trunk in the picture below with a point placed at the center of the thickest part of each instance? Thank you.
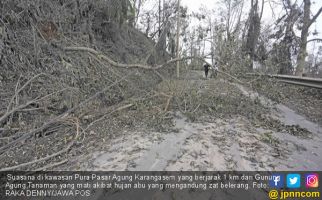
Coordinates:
(305, 31)
(307, 22)
(253, 32)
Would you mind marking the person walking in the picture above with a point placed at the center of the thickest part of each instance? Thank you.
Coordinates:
(206, 68)
(214, 70)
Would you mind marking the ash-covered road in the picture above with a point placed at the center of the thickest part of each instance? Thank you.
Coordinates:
(231, 143)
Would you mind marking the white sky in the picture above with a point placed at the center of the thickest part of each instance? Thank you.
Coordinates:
(194, 5)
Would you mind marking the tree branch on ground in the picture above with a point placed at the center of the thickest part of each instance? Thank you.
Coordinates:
(58, 118)
(112, 62)
(76, 123)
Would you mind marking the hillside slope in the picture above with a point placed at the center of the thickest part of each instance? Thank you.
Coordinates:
(50, 96)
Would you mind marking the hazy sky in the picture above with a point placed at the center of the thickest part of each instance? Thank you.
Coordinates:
(194, 5)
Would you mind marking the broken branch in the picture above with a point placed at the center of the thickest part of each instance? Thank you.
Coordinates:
(116, 64)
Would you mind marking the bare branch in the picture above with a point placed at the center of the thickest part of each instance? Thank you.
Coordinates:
(47, 157)
(107, 114)
(315, 17)
(20, 89)
(58, 118)
(315, 39)
(112, 62)
(7, 114)
(52, 165)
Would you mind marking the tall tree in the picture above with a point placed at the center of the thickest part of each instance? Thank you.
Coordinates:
(178, 38)
(286, 44)
(307, 22)
(253, 32)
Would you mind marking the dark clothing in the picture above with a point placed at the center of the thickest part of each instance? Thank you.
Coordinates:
(206, 67)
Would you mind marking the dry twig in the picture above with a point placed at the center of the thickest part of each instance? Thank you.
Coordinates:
(76, 122)
(57, 119)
